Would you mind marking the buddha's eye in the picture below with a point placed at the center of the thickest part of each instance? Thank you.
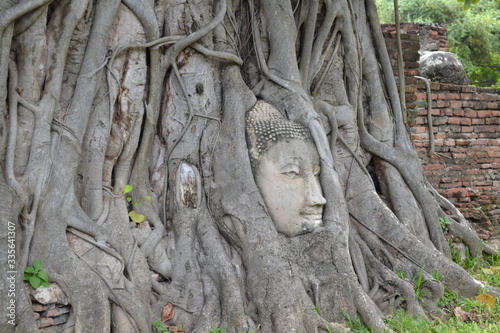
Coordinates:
(291, 170)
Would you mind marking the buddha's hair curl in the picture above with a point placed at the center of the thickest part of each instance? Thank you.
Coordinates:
(266, 126)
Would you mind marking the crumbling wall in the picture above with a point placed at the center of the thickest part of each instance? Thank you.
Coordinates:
(466, 127)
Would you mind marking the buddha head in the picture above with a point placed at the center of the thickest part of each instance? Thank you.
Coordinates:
(286, 166)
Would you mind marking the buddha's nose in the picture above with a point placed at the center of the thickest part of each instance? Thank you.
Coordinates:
(314, 194)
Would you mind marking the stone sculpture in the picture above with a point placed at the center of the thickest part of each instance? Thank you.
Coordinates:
(286, 166)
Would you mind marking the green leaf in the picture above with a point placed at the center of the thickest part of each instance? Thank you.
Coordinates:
(148, 198)
(37, 264)
(43, 276)
(137, 203)
(127, 189)
(29, 270)
(26, 277)
(35, 282)
(136, 217)
(45, 284)
(129, 199)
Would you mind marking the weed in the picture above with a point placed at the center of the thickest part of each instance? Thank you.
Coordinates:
(444, 221)
(419, 292)
(134, 215)
(160, 327)
(356, 325)
(437, 276)
(35, 275)
(402, 322)
(217, 330)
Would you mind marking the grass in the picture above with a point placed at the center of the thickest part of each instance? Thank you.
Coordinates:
(459, 314)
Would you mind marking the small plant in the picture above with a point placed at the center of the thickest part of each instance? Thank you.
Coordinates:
(134, 215)
(217, 330)
(356, 325)
(419, 292)
(444, 221)
(318, 311)
(437, 276)
(160, 327)
(35, 275)
(401, 274)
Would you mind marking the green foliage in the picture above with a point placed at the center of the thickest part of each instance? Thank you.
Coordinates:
(35, 275)
(160, 327)
(217, 330)
(134, 215)
(419, 283)
(457, 313)
(444, 221)
(356, 325)
(474, 34)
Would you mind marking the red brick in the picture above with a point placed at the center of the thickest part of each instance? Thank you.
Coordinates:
(455, 104)
(465, 121)
(45, 322)
(459, 113)
(478, 121)
(420, 120)
(454, 120)
(421, 95)
(449, 142)
(450, 87)
(485, 129)
(440, 120)
(492, 106)
(442, 104)
(467, 129)
(487, 97)
(455, 96)
(471, 113)
(38, 307)
(484, 113)
(494, 154)
(491, 121)
(466, 96)
(57, 312)
(461, 142)
(432, 166)
(468, 104)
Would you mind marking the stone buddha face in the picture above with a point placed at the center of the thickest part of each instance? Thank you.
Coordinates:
(285, 165)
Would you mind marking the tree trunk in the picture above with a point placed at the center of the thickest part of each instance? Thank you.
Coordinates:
(127, 170)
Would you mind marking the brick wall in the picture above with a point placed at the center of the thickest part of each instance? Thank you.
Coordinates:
(432, 36)
(51, 318)
(466, 127)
